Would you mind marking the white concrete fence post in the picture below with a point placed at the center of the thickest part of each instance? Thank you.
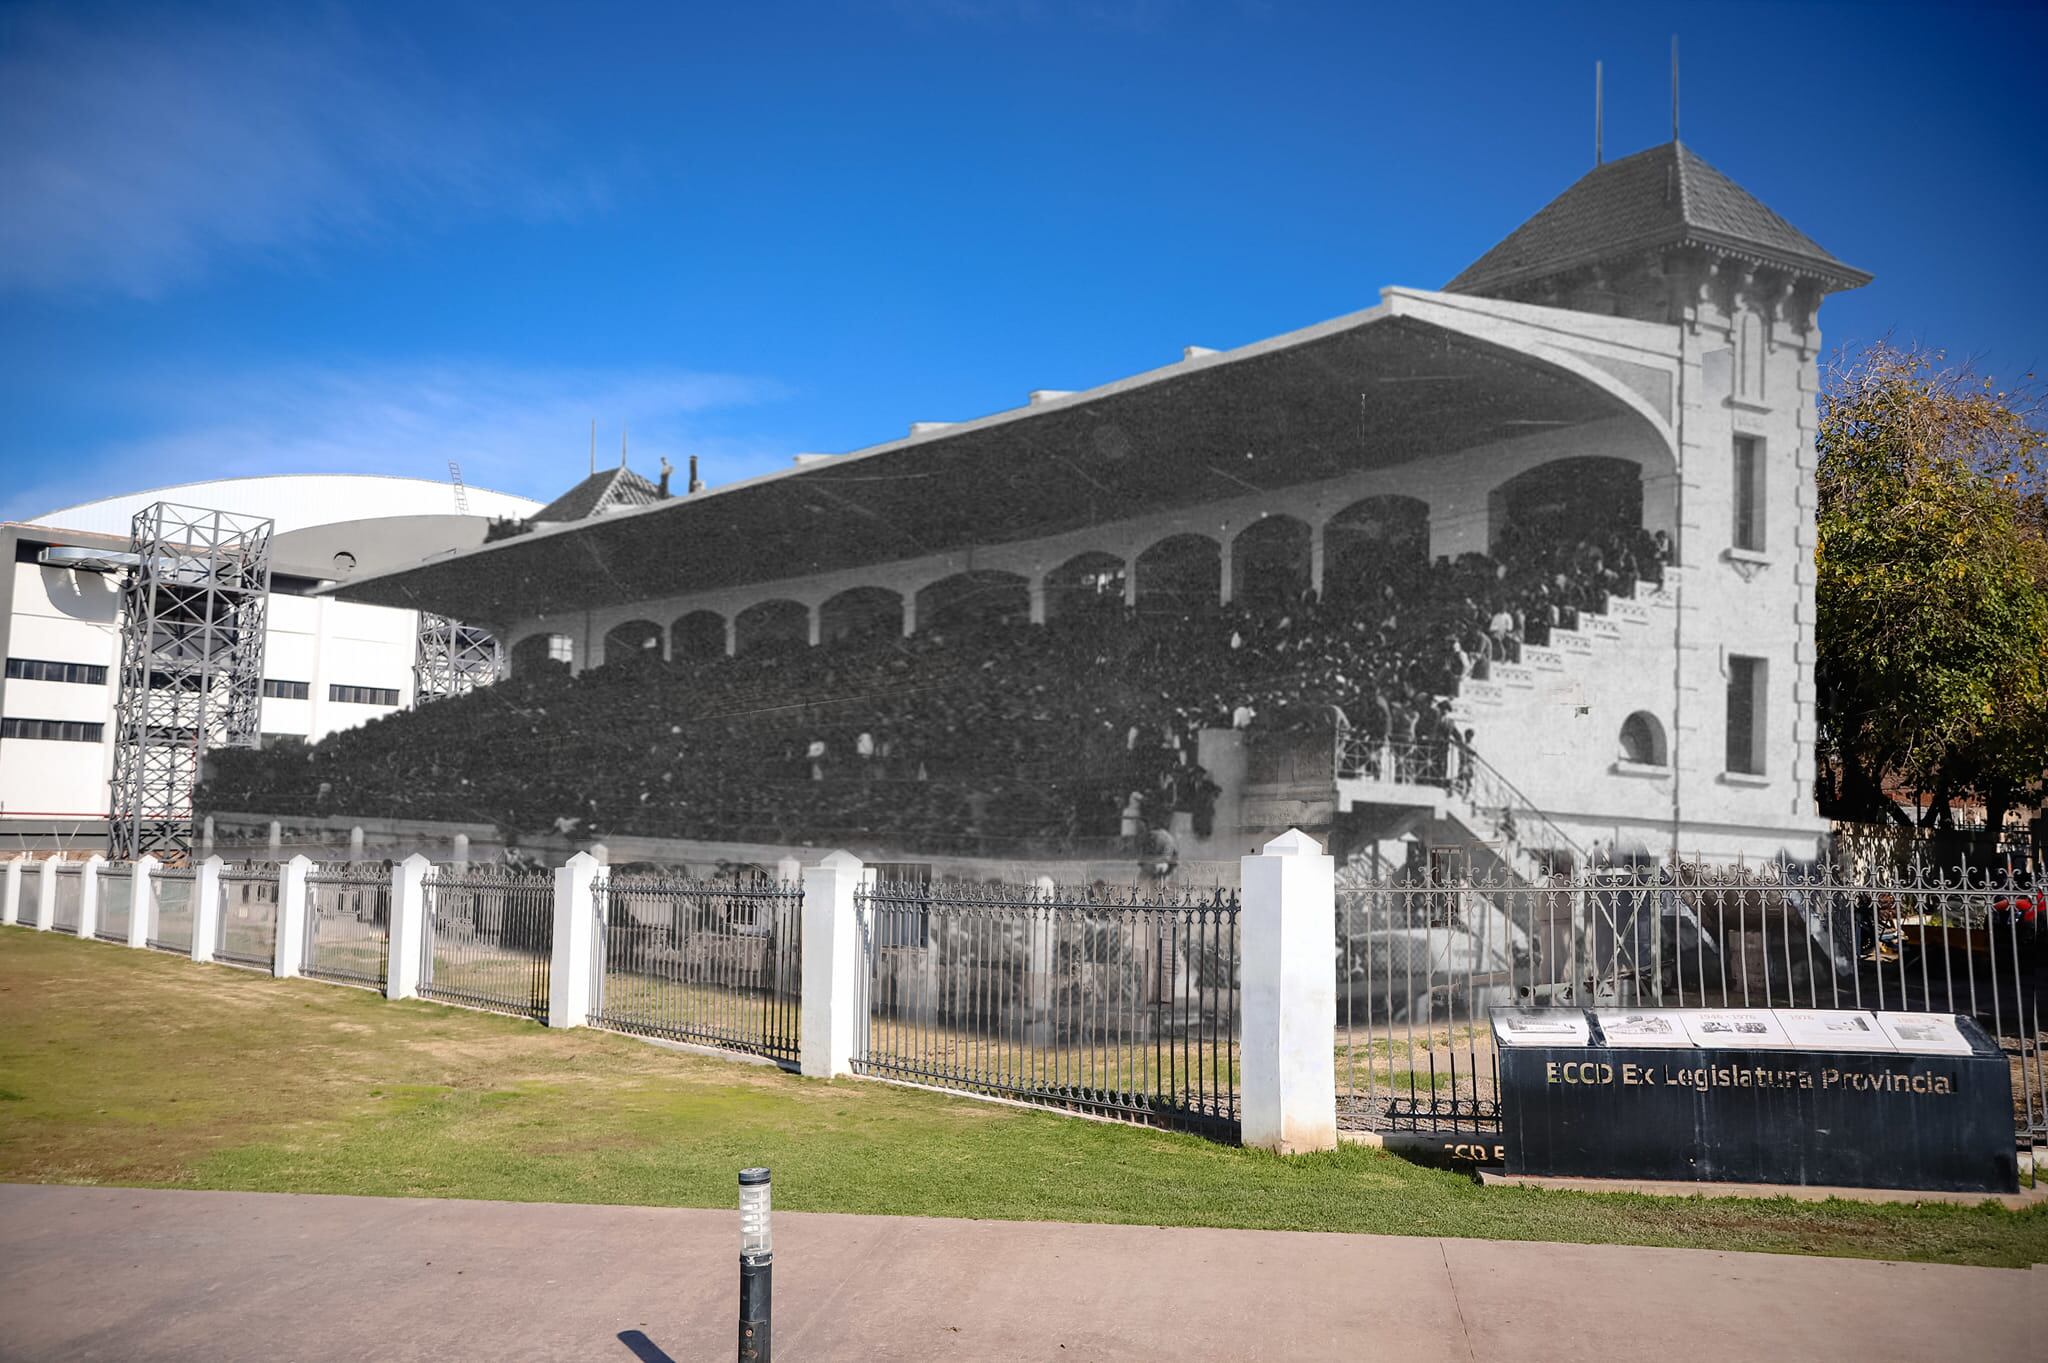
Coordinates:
(830, 1025)
(408, 927)
(89, 897)
(571, 968)
(293, 905)
(10, 891)
(142, 902)
(46, 895)
(206, 908)
(1288, 1070)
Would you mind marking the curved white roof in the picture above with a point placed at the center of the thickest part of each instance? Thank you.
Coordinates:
(295, 501)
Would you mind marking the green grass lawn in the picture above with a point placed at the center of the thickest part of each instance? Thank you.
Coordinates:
(128, 1067)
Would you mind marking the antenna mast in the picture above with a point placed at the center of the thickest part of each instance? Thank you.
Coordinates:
(593, 447)
(1599, 157)
(1674, 87)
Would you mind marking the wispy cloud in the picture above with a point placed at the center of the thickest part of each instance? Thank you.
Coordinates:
(520, 430)
(137, 150)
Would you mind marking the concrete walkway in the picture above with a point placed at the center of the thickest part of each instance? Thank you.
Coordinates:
(90, 1273)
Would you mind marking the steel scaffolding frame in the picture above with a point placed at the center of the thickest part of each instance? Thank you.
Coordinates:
(193, 614)
(453, 659)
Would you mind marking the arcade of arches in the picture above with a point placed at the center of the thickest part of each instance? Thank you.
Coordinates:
(1265, 566)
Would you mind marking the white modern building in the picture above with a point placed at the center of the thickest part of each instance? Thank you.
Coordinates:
(328, 664)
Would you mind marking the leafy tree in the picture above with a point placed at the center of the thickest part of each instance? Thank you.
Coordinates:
(1931, 593)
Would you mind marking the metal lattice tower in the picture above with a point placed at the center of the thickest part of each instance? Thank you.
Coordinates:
(453, 659)
(193, 612)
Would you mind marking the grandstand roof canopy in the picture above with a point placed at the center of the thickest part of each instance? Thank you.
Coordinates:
(1373, 389)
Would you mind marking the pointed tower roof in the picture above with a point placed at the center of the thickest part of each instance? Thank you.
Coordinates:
(603, 491)
(1646, 203)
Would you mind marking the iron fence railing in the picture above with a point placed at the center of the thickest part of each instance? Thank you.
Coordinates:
(116, 902)
(69, 897)
(1422, 958)
(1119, 1002)
(488, 937)
(348, 923)
(719, 962)
(245, 929)
(170, 927)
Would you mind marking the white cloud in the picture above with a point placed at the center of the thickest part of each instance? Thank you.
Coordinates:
(519, 430)
(138, 150)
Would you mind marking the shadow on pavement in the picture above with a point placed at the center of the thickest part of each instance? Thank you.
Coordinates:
(644, 1349)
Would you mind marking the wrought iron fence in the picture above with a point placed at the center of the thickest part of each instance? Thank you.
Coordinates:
(488, 939)
(170, 927)
(116, 902)
(348, 922)
(719, 962)
(245, 930)
(69, 897)
(1421, 959)
(1121, 1002)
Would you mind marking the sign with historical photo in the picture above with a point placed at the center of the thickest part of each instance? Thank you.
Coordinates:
(1735, 1029)
(1644, 1027)
(1924, 1033)
(1541, 1027)
(1825, 1029)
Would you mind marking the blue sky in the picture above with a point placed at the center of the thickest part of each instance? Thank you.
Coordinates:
(250, 239)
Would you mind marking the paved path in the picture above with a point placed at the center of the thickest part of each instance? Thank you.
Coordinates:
(91, 1273)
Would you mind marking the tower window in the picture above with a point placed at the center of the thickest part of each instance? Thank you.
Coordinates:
(1746, 699)
(1749, 494)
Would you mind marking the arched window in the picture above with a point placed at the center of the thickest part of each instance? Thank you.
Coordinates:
(1269, 564)
(982, 596)
(1180, 575)
(861, 613)
(1085, 584)
(1642, 740)
(1372, 542)
(697, 635)
(633, 641)
(1565, 501)
(539, 651)
(778, 624)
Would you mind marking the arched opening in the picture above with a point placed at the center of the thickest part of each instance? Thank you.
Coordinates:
(1558, 505)
(1180, 575)
(697, 636)
(1269, 565)
(541, 652)
(633, 641)
(772, 626)
(1642, 741)
(968, 600)
(861, 613)
(1090, 584)
(1372, 542)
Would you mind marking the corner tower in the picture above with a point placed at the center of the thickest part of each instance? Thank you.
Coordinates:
(1663, 237)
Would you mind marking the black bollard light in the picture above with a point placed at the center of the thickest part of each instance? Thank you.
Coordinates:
(757, 1266)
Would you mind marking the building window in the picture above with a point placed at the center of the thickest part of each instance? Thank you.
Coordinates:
(1749, 494)
(271, 742)
(1746, 680)
(52, 730)
(1642, 740)
(36, 669)
(286, 690)
(561, 649)
(362, 695)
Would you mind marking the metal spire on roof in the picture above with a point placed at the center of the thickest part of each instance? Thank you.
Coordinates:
(1674, 87)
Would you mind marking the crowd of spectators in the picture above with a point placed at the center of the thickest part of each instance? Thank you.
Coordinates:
(985, 737)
